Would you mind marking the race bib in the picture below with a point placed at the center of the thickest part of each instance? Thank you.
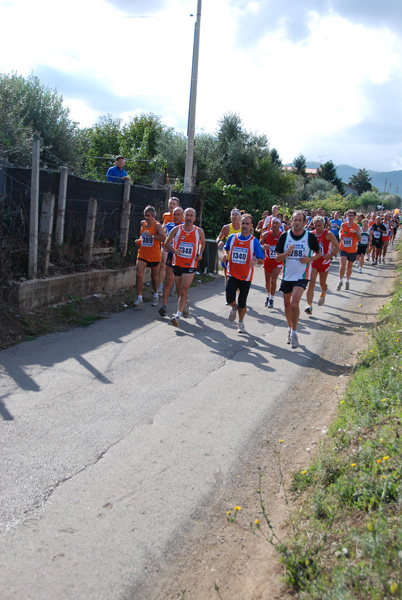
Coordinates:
(347, 242)
(186, 249)
(272, 252)
(377, 234)
(298, 252)
(147, 240)
(321, 247)
(239, 255)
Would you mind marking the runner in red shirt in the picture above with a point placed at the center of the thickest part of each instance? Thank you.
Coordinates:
(329, 246)
(272, 267)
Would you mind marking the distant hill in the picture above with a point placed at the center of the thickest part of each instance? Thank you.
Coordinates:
(389, 181)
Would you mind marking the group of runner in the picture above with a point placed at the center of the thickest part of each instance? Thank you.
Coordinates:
(300, 249)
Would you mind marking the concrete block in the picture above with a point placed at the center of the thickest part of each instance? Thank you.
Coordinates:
(35, 293)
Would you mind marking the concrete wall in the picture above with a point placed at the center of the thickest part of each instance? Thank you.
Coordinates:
(35, 293)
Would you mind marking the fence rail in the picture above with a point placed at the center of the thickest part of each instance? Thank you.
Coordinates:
(64, 221)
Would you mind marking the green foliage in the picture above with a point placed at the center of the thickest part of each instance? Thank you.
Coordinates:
(370, 200)
(220, 198)
(361, 181)
(328, 172)
(331, 201)
(352, 494)
(27, 106)
(299, 165)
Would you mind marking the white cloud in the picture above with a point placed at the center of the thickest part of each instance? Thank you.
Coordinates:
(302, 91)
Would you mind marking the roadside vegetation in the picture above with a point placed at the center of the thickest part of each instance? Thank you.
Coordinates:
(344, 537)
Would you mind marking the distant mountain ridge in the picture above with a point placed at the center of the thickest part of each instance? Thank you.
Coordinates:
(388, 181)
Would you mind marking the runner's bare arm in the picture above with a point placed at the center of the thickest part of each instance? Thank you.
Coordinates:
(223, 234)
(171, 236)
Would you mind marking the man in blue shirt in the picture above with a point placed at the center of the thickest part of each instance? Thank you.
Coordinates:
(117, 173)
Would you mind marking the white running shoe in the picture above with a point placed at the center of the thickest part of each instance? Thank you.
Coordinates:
(338, 287)
(308, 310)
(240, 327)
(232, 314)
(160, 290)
(347, 286)
(295, 341)
(138, 303)
(186, 309)
(155, 299)
(175, 321)
(321, 300)
(289, 337)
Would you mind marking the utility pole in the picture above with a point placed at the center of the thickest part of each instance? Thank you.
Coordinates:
(188, 174)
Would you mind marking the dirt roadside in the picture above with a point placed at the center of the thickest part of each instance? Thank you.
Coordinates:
(213, 552)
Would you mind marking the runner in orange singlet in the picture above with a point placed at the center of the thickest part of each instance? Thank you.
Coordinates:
(149, 253)
(187, 243)
(349, 235)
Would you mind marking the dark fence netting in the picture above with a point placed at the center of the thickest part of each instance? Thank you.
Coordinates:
(15, 200)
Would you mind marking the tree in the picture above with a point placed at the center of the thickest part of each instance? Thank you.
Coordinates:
(28, 106)
(319, 188)
(299, 165)
(361, 181)
(104, 140)
(328, 172)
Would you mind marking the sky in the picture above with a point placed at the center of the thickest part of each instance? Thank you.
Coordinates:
(322, 78)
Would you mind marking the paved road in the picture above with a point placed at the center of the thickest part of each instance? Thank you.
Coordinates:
(112, 436)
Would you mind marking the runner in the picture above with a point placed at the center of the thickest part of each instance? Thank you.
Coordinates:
(349, 236)
(377, 231)
(268, 219)
(362, 246)
(167, 218)
(242, 252)
(233, 227)
(149, 253)
(296, 247)
(260, 225)
(272, 268)
(187, 243)
(177, 220)
(385, 238)
(329, 246)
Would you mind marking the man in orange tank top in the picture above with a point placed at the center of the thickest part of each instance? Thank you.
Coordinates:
(149, 253)
(187, 243)
(349, 236)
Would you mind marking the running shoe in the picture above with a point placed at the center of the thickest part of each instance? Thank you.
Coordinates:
(289, 337)
(338, 287)
(271, 303)
(321, 300)
(160, 290)
(347, 285)
(240, 327)
(308, 310)
(295, 341)
(138, 303)
(155, 299)
(232, 314)
(162, 311)
(175, 321)
(383, 261)
(186, 310)
(360, 270)
(372, 264)
(376, 263)
(379, 261)
(267, 302)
